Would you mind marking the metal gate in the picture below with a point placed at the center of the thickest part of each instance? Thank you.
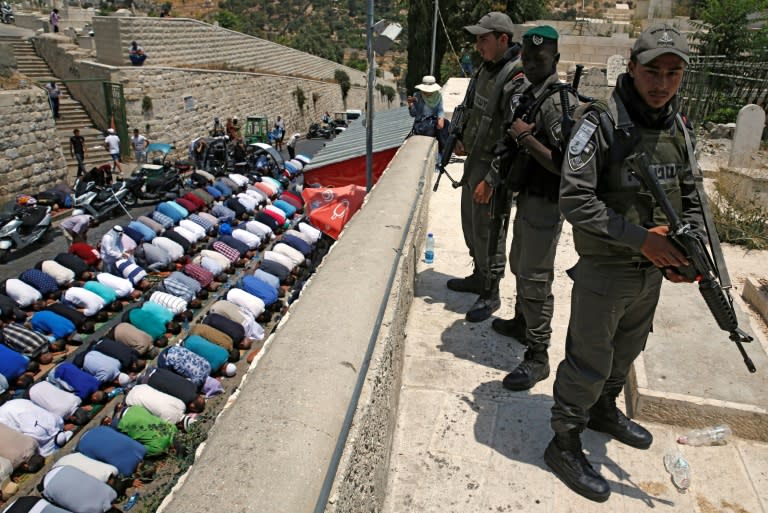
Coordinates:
(115, 103)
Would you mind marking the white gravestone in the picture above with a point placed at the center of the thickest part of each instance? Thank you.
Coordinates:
(615, 67)
(746, 140)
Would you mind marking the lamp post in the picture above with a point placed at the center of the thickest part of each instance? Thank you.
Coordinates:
(385, 36)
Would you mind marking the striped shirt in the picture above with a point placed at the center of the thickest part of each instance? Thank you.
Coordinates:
(205, 223)
(208, 217)
(228, 251)
(163, 219)
(131, 271)
(25, 341)
(199, 273)
(173, 303)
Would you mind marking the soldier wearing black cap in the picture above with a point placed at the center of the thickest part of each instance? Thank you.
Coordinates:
(498, 79)
(620, 235)
(538, 222)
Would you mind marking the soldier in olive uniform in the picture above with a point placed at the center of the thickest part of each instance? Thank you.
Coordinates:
(498, 78)
(620, 234)
(538, 222)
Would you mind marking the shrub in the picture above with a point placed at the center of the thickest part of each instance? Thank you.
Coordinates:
(739, 219)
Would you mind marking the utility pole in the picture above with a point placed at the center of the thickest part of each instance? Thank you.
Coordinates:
(434, 39)
(369, 104)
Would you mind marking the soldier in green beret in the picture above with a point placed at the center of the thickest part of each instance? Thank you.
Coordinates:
(535, 176)
(620, 234)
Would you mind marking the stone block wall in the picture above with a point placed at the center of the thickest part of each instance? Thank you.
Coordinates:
(30, 159)
(181, 42)
(184, 102)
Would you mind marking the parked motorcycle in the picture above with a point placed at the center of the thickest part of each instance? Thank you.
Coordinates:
(152, 183)
(22, 226)
(317, 130)
(6, 13)
(100, 201)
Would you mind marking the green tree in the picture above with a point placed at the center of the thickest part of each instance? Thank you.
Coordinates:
(726, 27)
(229, 20)
(344, 83)
(456, 14)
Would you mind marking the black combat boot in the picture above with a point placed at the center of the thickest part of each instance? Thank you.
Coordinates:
(472, 283)
(566, 459)
(534, 368)
(514, 328)
(486, 304)
(605, 417)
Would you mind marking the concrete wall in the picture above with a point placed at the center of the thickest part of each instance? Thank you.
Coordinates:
(30, 160)
(277, 443)
(182, 42)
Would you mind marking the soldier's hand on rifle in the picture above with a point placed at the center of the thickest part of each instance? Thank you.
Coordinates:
(660, 250)
(440, 123)
(458, 149)
(483, 192)
(519, 128)
(674, 276)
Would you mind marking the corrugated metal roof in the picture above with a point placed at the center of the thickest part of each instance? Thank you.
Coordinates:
(389, 130)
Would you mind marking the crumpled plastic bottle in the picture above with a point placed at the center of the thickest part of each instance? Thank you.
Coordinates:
(679, 469)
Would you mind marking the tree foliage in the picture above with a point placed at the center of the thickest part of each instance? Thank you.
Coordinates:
(728, 30)
(456, 14)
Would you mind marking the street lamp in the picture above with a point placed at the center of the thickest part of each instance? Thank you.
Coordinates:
(386, 33)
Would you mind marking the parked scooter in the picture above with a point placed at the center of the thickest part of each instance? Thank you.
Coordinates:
(317, 130)
(6, 13)
(22, 226)
(97, 196)
(152, 183)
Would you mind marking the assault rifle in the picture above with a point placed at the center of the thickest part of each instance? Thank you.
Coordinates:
(512, 180)
(454, 134)
(701, 267)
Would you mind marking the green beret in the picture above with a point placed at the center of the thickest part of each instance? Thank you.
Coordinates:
(542, 33)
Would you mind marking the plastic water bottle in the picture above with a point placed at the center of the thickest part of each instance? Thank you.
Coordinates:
(131, 502)
(429, 249)
(114, 392)
(713, 435)
(679, 469)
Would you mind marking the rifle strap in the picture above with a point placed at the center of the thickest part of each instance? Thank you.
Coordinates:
(709, 224)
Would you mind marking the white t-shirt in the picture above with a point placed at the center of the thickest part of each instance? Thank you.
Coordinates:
(23, 294)
(95, 468)
(246, 237)
(138, 142)
(173, 248)
(121, 286)
(61, 274)
(248, 301)
(160, 404)
(52, 398)
(294, 255)
(113, 142)
(91, 302)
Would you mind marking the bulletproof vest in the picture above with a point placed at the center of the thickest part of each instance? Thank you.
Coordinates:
(480, 135)
(623, 193)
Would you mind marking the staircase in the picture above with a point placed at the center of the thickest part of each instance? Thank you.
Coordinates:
(71, 112)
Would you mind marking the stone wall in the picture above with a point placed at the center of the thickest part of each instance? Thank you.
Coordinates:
(182, 42)
(30, 159)
(185, 101)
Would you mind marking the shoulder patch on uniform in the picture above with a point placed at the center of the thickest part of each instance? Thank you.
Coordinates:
(581, 138)
(581, 159)
(556, 130)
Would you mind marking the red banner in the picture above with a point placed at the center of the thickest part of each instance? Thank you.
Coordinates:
(329, 209)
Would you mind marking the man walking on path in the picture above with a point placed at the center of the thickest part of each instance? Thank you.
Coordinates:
(54, 95)
(77, 151)
(139, 143)
(54, 19)
(500, 77)
(291, 144)
(112, 145)
(621, 237)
